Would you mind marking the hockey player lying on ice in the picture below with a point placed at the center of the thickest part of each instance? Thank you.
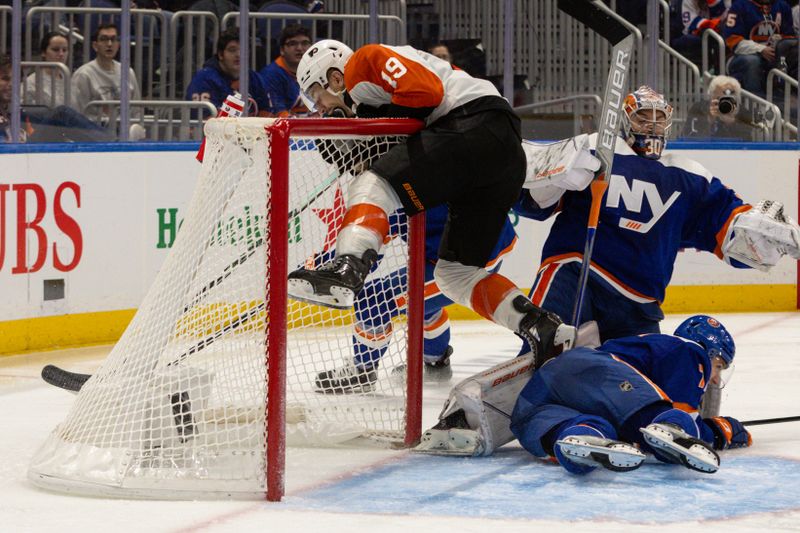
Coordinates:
(601, 407)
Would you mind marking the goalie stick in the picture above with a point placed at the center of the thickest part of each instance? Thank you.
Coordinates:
(600, 19)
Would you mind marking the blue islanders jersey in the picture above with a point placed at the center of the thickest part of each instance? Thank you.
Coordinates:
(283, 90)
(651, 210)
(678, 367)
(749, 20)
(212, 85)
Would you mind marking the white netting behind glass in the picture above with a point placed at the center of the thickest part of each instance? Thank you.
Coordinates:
(178, 408)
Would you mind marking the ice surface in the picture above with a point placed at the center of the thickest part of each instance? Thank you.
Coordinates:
(365, 489)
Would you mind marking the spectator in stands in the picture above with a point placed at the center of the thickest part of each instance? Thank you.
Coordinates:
(100, 79)
(280, 76)
(718, 116)
(761, 36)
(54, 49)
(219, 77)
(441, 51)
(689, 19)
(44, 125)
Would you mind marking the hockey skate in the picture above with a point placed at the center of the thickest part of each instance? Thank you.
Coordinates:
(451, 436)
(599, 451)
(545, 333)
(334, 284)
(674, 445)
(434, 373)
(439, 371)
(349, 379)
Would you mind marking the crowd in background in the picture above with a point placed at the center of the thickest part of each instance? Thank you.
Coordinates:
(759, 34)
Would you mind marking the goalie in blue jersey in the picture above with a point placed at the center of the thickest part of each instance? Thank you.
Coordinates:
(657, 203)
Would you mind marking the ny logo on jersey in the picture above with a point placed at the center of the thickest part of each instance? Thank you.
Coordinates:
(633, 196)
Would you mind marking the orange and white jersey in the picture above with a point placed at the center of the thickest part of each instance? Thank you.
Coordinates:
(378, 75)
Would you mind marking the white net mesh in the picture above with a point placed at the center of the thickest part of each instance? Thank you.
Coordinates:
(178, 408)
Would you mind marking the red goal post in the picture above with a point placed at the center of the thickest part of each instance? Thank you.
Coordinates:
(280, 133)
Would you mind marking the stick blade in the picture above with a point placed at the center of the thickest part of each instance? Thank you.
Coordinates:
(589, 13)
(64, 379)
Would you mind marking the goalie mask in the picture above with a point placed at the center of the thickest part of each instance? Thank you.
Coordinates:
(709, 333)
(646, 122)
(317, 61)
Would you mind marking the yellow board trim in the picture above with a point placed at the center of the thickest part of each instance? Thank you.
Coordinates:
(63, 331)
(705, 299)
(84, 329)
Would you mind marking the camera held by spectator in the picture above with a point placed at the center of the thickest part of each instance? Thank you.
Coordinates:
(718, 116)
(727, 103)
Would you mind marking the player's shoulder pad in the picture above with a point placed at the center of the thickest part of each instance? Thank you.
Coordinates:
(681, 162)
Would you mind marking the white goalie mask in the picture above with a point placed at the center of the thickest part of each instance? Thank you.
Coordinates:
(317, 61)
(646, 122)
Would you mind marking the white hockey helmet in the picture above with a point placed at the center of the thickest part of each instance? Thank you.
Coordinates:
(318, 60)
(643, 127)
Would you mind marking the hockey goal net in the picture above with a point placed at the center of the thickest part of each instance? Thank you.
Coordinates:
(218, 369)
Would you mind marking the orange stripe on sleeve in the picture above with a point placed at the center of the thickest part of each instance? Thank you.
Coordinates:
(369, 216)
(489, 292)
(410, 83)
(658, 390)
(724, 231)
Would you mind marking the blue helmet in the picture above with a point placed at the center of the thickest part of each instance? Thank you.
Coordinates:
(710, 334)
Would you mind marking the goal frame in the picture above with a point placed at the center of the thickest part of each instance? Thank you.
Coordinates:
(280, 132)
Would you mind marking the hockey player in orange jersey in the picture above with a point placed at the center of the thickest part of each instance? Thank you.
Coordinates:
(468, 156)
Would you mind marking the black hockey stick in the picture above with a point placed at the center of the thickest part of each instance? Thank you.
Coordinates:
(74, 381)
(765, 421)
(600, 19)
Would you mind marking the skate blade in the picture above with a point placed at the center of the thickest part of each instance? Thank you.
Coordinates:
(616, 457)
(301, 290)
(695, 457)
(357, 389)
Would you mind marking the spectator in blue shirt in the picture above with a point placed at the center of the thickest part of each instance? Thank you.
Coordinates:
(219, 77)
(280, 78)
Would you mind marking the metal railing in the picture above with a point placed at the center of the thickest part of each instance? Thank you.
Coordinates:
(200, 28)
(766, 117)
(44, 73)
(148, 26)
(790, 88)
(719, 48)
(354, 29)
(682, 83)
(158, 117)
(558, 55)
(579, 110)
(5, 26)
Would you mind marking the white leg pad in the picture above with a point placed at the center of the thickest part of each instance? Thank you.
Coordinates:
(488, 398)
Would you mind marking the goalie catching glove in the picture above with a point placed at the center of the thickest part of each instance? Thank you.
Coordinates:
(761, 236)
(554, 168)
